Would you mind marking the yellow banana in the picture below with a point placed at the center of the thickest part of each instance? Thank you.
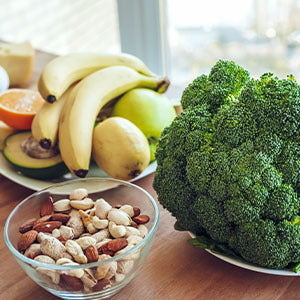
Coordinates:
(44, 126)
(62, 71)
(83, 105)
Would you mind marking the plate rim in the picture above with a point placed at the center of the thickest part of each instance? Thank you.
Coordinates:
(9, 172)
(247, 265)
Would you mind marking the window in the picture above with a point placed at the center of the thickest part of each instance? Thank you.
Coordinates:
(261, 35)
(62, 26)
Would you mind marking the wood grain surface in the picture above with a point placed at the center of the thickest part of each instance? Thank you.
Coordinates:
(173, 269)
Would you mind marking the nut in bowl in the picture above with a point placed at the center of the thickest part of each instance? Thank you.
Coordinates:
(85, 238)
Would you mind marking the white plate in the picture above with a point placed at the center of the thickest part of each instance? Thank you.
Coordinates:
(9, 172)
(246, 265)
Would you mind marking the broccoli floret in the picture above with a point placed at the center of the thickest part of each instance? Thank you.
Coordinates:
(221, 86)
(229, 164)
(169, 175)
(210, 216)
(189, 131)
(260, 242)
(197, 92)
(282, 204)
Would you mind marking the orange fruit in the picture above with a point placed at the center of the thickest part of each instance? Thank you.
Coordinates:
(19, 106)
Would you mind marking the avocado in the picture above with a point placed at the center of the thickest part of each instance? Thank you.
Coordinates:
(39, 168)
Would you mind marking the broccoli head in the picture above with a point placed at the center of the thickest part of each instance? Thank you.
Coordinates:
(229, 164)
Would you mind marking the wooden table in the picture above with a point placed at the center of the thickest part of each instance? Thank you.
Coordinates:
(173, 270)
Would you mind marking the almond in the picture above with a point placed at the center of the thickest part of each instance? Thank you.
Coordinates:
(72, 283)
(62, 240)
(136, 211)
(27, 239)
(113, 246)
(43, 219)
(133, 224)
(26, 226)
(117, 244)
(47, 207)
(104, 250)
(101, 285)
(141, 219)
(91, 253)
(47, 226)
(61, 217)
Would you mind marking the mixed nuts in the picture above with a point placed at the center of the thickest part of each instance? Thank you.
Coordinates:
(80, 230)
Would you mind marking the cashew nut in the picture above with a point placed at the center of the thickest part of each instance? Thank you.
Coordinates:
(75, 250)
(131, 231)
(84, 204)
(85, 242)
(99, 223)
(91, 228)
(119, 217)
(134, 240)
(78, 194)
(76, 223)
(143, 230)
(101, 235)
(61, 205)
(102, 208)
(116, 231)
(128, 209)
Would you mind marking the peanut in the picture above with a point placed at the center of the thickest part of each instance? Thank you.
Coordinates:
(54, 248)
(76, 223)
(33, 251)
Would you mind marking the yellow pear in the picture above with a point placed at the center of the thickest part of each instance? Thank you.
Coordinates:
(120, 148)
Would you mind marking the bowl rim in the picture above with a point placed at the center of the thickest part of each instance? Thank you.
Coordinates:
(32, 262)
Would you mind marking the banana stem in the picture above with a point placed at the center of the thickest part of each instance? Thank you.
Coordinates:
(163, 85)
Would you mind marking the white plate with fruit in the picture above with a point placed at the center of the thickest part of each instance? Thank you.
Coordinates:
(34, 184)
(69, 135)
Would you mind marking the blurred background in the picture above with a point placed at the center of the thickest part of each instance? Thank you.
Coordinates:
(181, 38)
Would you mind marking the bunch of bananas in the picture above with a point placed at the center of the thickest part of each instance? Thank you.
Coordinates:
(76, 87)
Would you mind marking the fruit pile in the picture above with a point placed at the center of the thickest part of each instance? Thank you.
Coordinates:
(109, 108)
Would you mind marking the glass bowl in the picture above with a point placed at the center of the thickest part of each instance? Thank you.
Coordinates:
(123, 267)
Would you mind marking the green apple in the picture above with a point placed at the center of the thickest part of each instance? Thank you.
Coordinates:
(150, 111)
